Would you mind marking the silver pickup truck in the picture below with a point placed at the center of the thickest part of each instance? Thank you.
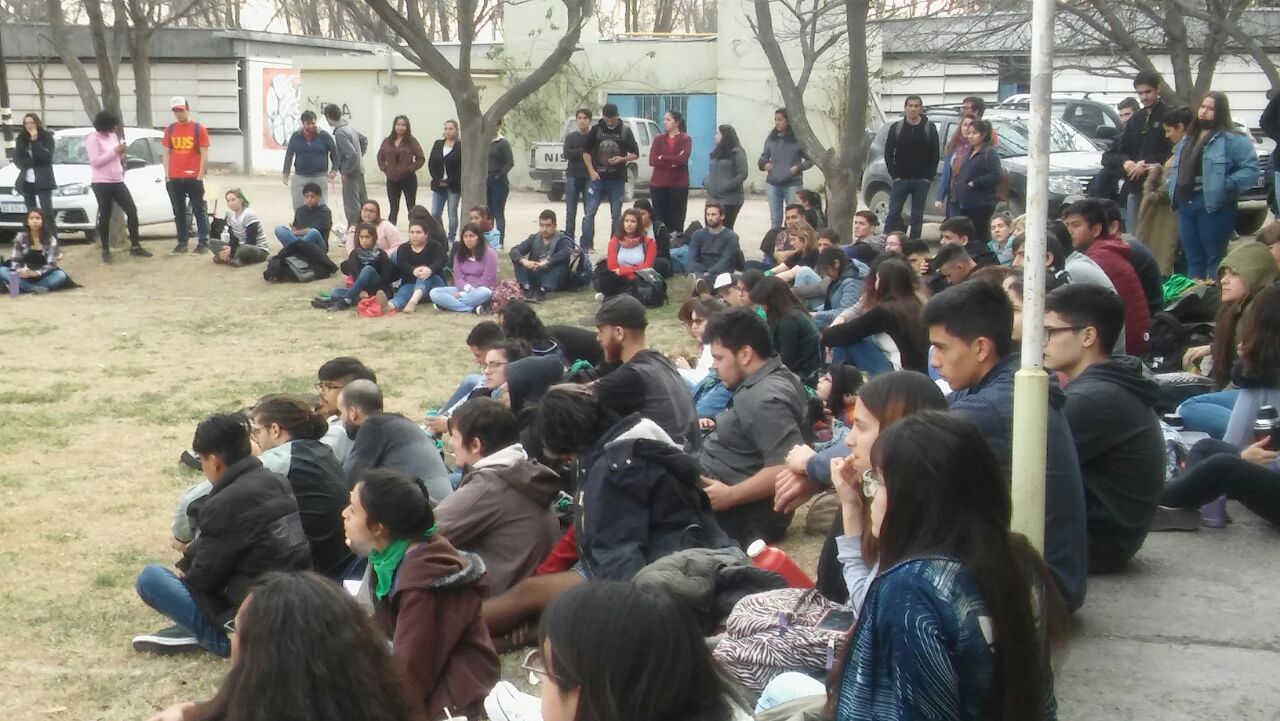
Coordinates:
(546, 160)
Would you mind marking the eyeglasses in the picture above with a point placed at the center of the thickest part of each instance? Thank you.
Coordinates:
(1050, 332)
(537, 668)
(494, 365)
(871, 483)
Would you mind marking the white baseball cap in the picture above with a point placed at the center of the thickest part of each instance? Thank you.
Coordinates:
(179, 102)
(724, 280)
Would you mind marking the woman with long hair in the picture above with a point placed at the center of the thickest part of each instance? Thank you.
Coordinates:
(794, 335)
(975, 184)
(400, 158)
(669, 156)
(784, 161)
(845, 281)
(475, 275)
(1212, 165)
(803, 253)
(388, 236)
(629, 251)
(888, 334)
(710, 397)
(953, 157)
(726, 173)
(106, 150)
(426, 595)
(521, 322)
(813, 212)
(445, 165)
(33, 156)
(34, 259)
(420, 265)
(348, 674)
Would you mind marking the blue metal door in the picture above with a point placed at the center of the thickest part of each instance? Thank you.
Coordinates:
(700, 116)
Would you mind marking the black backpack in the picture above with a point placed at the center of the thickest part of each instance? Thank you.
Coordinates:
(649, 288)
(579, 271)
(1168, 339)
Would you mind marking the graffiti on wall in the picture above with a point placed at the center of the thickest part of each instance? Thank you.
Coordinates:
(281, 106)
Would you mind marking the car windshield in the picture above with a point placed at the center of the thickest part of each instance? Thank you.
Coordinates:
(69, 150)
(1013, 137)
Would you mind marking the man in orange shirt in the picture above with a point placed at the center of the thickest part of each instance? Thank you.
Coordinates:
(186, 154)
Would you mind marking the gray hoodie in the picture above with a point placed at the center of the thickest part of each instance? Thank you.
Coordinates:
(784, 151)
(725, 177)
(349, 154)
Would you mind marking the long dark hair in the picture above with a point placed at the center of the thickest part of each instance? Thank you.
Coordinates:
(728, 141)
(983, 128)
(39, 125)
(845, 381)
(460, 251)
(1221, 122)
(293, 414)
(1260, 335)
(957, 137)
(435, 231)
(45, 233)
(678, 116)
(894, 286)
(400, 503)
(775, 295)
(347, 675)
(633, 653)
(408, 128)
(521, 322)
(948, 497)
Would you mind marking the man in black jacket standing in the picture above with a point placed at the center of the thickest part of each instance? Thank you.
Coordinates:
(1141, 146)
(249, 525)
(911, 155)
(576, 178)
(1270, 124)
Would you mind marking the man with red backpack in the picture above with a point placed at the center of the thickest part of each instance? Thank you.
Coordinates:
(186, 155)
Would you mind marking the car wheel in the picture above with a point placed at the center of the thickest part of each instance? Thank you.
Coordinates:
(1249, 222)
(633, 180)
(91, 237)
(878, 203)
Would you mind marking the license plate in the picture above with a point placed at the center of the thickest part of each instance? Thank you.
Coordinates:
(13, 207)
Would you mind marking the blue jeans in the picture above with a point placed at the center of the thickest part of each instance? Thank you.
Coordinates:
(286, 236)
(366, 280)
(496, 190)
(806, 276)
(1131, 211)
(51, 281)
(1204, 235)
(439, 201)
(444, 300)
(575, 189)
(678, 258)
(162, 590)
(779, 196)
(596, 193)
(549, 280)
(184, 192)
(864, 354)
(918, 190)
(406, 290)
(786, 687)
(468, 384)
(713, 401)
(1209, 412)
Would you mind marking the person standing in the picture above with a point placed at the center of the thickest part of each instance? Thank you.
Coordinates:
(911, 156)
(669, 156)
(33, 154)
(445, 165)
(186, 155)
(496, 185)
(400, 158)
(308, 154)
(1270, 124)
(609, 148)
(576, 178)
(1212, 165)
(105, 148)
(977, 180)
(351, 145)
(1141, 145)
(784, 161)
(726, 173)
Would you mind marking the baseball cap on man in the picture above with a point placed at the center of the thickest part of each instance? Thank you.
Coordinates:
(624, 311)
(724, 280)
(179, 103)
(609, 110)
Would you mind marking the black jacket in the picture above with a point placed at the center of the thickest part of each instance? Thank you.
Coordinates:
(438, 163)
(911, 151)
(315, 257)
(249, 525)
(640, 499)
(983, 170)
(1110, 408)
(1141, 139)
(34, 155)
(382, 265)
(1270, 124)
(560, 250)
(320, 487)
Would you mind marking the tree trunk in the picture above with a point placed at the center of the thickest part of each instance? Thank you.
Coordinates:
(842, 199)
(476, 135)
(140, 56)
(107, 78)
(62, 45)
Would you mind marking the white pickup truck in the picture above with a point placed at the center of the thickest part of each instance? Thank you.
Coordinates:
(546, 160)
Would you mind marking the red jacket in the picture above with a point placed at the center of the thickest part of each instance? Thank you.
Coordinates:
(629, 271)
(670, 160)
(1113, 256)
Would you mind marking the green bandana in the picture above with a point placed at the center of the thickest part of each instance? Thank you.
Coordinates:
(386, 562)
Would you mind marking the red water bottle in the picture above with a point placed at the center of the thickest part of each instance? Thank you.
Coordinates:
(777, 560)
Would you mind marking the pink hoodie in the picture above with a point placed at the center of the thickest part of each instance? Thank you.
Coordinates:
(101, 148)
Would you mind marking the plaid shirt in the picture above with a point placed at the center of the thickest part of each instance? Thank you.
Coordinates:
(43, 259)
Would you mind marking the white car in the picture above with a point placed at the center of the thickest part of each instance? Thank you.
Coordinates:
(73, 200)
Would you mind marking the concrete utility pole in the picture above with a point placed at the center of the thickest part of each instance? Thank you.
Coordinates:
(1031, 384)
(6, 113)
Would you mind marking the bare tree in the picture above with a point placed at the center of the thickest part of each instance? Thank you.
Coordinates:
(145, 18)
(478, 125)
(821, 27)
(70, 56)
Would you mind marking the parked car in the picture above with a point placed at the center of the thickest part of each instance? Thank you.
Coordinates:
(1074, 160)
(546, 160)
(75, 207)
(1095, 119)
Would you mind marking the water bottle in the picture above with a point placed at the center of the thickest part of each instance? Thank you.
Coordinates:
(1266, 425)
(1214, 513)
(775, 559)
(13, 283)
(226, 237)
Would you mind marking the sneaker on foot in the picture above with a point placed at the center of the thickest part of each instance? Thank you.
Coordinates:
(1176, 519)
(507, 703)
(139, 251)
(540, 294)
(599, 298)
(179, 249)
(40, 290)
(166, 642)
(106, 257)
(200, 249)
(700, 287)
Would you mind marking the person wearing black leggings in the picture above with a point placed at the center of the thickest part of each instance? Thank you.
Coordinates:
(106, 150)
(1216, 468)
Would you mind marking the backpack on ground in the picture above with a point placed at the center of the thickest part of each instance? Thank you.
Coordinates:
(778, 631)
(1168, 339)
(507, 291)
(579, 270)
(649, 288)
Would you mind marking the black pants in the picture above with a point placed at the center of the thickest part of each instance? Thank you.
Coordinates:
(670, 205)
(610, 283)
(981, 218)
(1215, 468)
(46, 204)
(110, 195)
(830, 578)
(731, 214)
(395, 188)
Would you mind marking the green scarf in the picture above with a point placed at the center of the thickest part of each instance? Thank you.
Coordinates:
(386, 561)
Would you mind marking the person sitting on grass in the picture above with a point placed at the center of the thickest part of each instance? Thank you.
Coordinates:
(475, 275)
(388, 440)
(312, 221)
(35, 258)
(331, 378)
(425, 594)
(481, 217)
(370, 268)
(845, 278)
(387, 233)
(502, 508)
(249, 525)
(248, 241)
(629, 251)
(794, 335)
(348, 675)
(541, 261)
(656, 229)
(420, 266)
(712, 249)
(803, 241)
(520, 322)
(483, 337)
(955, 265)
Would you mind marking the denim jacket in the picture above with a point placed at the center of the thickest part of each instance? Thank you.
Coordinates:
(1229, 166)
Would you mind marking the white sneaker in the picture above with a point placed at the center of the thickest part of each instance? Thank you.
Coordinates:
(599, 298)
(506, 703)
